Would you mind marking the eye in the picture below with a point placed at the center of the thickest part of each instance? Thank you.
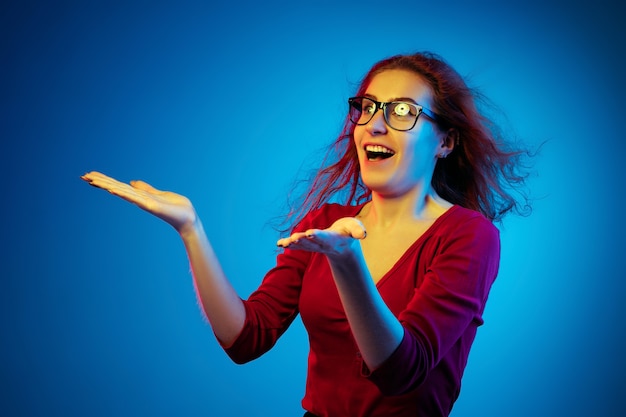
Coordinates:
(401, 109)
(369, 107)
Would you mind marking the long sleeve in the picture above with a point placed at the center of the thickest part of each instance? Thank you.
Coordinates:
(271, 308)
(275, 304)
(451, 296)
(437, 290)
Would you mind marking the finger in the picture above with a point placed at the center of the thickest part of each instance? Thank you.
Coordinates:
(100, 180)
(357, 230)
(310, 233)
(306, 244)
(113, 186)
(283, 242)
(296, 237)
(349, 226)
(91, 176)
(144, 186)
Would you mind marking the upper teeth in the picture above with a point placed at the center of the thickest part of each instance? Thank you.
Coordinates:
(378, 148)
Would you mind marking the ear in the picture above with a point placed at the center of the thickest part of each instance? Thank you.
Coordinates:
(448, 142)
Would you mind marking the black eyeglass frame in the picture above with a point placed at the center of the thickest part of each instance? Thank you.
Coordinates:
(382, 105)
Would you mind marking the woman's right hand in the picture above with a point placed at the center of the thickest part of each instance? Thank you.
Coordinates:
(173, 208)
(221, 304)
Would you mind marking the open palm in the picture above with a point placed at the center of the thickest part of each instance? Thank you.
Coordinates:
(173, 208)
(334, 240)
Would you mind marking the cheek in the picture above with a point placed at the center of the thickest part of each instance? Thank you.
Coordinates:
(357, 137)
(429, 141)
(358, 133)
(421, 150)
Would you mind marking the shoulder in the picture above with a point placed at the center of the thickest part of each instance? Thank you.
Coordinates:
(458, 214)
(459, 221)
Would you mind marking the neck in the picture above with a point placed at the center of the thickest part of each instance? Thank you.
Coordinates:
(420, 203)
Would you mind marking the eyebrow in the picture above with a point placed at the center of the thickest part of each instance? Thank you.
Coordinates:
(409, 99)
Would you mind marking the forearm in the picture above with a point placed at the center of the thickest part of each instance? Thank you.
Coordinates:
(376, 330)
(221, 304)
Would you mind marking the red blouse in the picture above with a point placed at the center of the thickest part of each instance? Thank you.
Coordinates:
(437, 290)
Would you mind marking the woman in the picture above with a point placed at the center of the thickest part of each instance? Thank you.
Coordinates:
(392, 284)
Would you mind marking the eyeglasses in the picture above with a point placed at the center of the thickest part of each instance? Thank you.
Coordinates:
(399, 115)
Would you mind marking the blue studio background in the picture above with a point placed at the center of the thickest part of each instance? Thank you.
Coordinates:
(97, 308)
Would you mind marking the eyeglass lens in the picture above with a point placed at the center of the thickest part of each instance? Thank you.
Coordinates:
(398, 115)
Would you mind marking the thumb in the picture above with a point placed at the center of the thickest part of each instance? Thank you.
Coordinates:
(357, 229)
(144, 186)
(353, 227)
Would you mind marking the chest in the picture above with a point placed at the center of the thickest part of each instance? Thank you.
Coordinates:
(320, 305)
(383, 250)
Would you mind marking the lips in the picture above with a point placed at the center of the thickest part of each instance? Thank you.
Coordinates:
(378, 152)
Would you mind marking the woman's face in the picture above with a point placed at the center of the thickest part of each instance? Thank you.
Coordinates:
(395, 162)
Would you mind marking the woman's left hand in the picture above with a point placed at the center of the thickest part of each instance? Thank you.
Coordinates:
(335, 240)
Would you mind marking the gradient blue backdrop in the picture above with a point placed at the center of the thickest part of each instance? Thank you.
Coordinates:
(97, 308)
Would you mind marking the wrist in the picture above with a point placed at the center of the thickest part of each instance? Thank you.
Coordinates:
(191, 228)
(347, 259)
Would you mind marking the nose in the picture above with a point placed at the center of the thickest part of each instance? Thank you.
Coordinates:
(377, 124)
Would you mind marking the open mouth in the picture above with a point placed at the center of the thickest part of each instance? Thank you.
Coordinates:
(378, 152)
